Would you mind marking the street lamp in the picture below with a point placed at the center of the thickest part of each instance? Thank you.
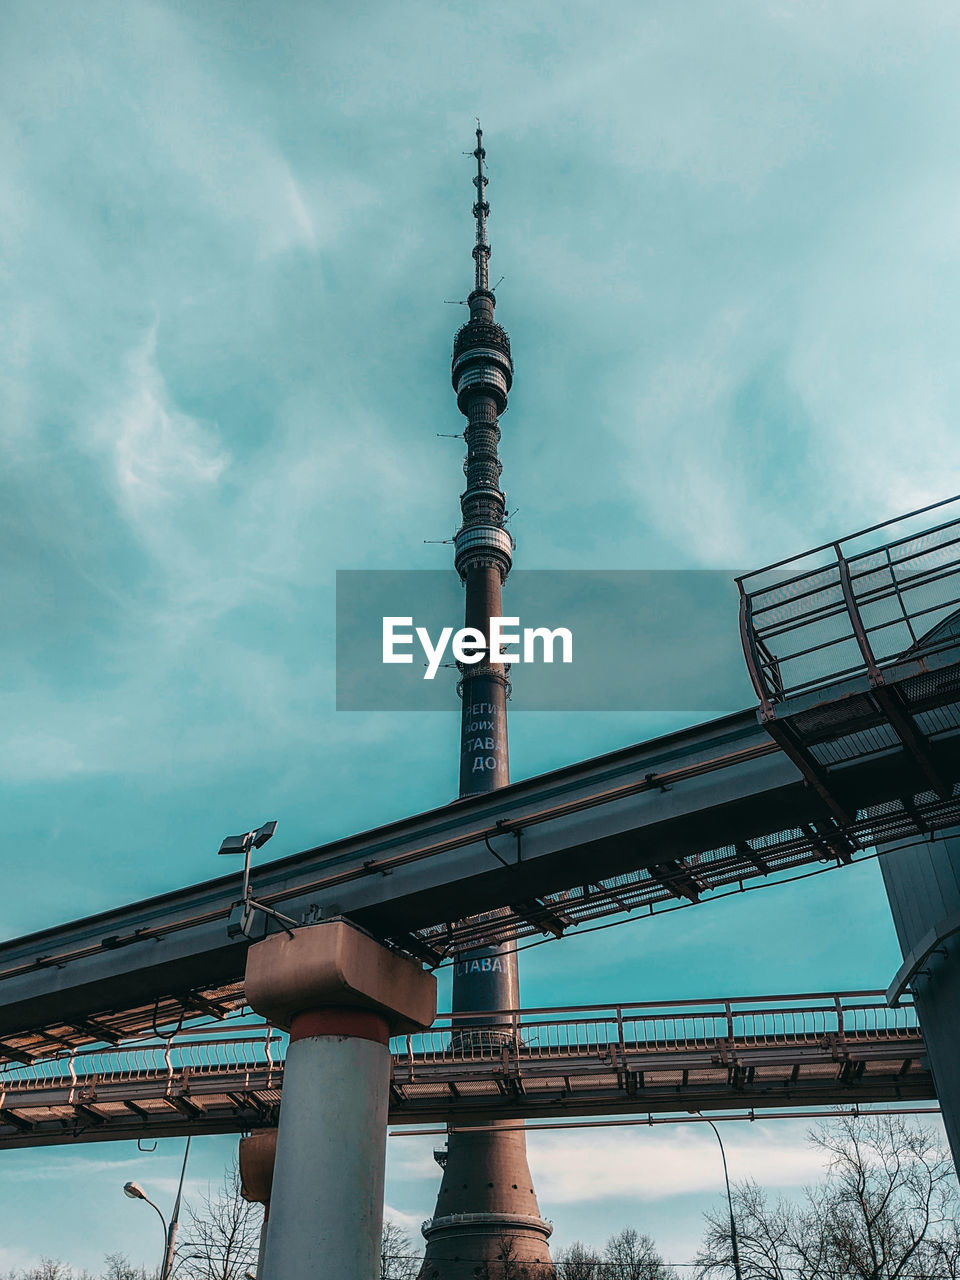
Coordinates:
(733, 1222)
(136, 1192)
(241, 915)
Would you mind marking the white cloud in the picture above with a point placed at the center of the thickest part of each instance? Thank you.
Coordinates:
(657, 1162)
(408, 1222)
(159, 454)
(64, 1167)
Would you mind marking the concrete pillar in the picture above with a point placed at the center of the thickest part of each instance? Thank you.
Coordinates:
(923, 887)
(257, 1155)
(341, 994)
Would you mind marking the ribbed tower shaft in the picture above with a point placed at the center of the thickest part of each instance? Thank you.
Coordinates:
(487, 1224)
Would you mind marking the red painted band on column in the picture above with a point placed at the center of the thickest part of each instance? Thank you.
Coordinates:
(362, 1024)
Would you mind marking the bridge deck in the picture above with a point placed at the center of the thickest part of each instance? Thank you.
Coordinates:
(770, 1052)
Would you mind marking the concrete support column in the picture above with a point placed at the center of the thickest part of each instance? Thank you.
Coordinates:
(923, 887)
(341, 995)
(257, 1156)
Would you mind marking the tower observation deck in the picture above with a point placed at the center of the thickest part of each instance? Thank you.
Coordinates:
(487, 1220)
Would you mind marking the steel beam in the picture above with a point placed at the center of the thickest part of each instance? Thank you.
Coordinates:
(677, 796)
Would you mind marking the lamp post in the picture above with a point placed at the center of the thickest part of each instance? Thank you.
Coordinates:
(733, 1222)
(244, 844)
(136, 1192)
(241, 915)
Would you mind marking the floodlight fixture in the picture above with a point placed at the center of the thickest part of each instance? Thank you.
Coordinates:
(243, 844)
(250, 840)
(261, 836)
(235, 844)
(242, 914)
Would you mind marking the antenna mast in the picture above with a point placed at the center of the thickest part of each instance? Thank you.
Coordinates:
(481, 211)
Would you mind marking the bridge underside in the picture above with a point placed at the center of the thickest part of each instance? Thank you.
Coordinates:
(664, 822)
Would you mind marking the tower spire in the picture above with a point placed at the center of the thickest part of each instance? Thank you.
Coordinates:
(481, 211)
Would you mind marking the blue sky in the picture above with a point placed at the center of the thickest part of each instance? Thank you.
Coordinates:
(728, 237)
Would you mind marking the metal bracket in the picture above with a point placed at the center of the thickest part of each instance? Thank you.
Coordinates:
(921, 953)
(504, 829)
(243, 914)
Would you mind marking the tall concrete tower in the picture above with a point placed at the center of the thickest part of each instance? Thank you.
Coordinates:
(487, 1223)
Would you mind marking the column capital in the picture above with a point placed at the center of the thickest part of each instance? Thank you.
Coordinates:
(335, 964)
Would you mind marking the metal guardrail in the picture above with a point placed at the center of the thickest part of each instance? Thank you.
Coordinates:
(746, 1054)
(651, 1028)
(532, 1034)
(174, 1058)
(853, 606)
(853, 649)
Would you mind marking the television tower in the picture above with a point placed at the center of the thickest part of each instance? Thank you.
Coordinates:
(487, 1222)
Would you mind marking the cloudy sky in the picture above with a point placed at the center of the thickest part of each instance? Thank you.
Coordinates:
(728, 236)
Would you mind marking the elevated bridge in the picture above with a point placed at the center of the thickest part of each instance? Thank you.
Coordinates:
(854, 650)
(711, 1055)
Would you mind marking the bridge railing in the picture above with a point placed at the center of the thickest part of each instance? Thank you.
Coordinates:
(653, 1029)
(530, 1035)
(856, 606)
(228, 1051)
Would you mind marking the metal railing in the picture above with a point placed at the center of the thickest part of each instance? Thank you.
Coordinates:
(853, 606)
(647, 1028)
(532, 1035)
(228, 1051)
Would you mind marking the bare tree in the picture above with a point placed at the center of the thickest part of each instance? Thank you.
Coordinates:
(221, 1238)
(45, 1269)
(887, 1210)
(578, 1262)
(398, 1258)
(765, 1235)
(510, 1266)
(628, 1255)
(117, 1266)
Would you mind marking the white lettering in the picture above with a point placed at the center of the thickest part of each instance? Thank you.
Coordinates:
(499, 638)
(469, 645)
(390, 639)
(487, 965)
(434, 654)
(531, 634)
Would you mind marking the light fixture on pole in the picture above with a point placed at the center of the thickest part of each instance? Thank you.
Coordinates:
(135, 1192)
(242, 912)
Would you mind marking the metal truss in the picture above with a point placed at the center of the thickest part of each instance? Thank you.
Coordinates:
(853, 650)
(743, 1054)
